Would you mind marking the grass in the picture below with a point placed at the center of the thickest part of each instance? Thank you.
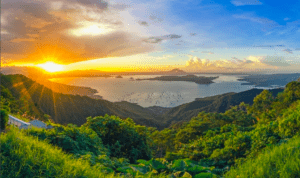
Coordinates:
(277, 161)
(25, 156)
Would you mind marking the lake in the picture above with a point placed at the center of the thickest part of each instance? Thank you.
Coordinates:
(156, 93)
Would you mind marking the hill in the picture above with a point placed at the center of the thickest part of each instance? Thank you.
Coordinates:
(176, 72)
(65, 109)
(218, 103)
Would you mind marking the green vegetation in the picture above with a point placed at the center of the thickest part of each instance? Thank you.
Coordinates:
(240, 134)
(276, 161)
(26, 156)
(34, 100)
(3, 119)
(18, 106)
(71, 151)
(122, 137)
(257, 140)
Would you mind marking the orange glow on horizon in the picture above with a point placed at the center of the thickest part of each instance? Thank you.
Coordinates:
(51, 67)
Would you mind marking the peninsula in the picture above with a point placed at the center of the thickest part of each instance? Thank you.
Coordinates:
(187, 78)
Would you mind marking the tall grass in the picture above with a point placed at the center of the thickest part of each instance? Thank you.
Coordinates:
(25, 156)
(277, 161)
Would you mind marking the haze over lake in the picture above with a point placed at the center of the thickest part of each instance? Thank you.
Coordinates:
(156, 93)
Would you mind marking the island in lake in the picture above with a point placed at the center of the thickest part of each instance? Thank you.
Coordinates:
(187, 78)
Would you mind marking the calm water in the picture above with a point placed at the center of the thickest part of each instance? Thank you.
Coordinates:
(156, 93)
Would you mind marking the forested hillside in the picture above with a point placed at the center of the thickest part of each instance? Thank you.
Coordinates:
(257, 140)
(65, 108)
(74, 109)
(218, 103)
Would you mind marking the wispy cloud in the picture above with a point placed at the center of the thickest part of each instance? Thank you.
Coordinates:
(268, 46)
(246, 2)
(161, 38)
(143, 23)
(251, 17)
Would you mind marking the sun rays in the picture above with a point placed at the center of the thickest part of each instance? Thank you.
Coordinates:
(51, 67)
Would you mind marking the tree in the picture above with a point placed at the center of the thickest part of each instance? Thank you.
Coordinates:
(3, 118)
(261, 104)
(122, 137)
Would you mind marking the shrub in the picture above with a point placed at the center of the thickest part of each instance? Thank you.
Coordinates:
(3, 119)
(25, 157)
(276, 161)
(121, 137)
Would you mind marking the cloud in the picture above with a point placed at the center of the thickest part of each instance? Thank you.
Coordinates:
(275, 61)
(155, 18)
(254, 19)
(269, 46)
(249, 64)
(143, 23)
(288, 51)
(265, 22)
(172, 36)
(245, 2)
(208, 52)
(161, 38)
(67, 31)
(18, 40)
(286, 19)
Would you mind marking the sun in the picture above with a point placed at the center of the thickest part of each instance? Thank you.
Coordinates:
(51, 67)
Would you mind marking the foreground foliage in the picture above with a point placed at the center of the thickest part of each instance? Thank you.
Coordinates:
(26, 156)
(276, 161)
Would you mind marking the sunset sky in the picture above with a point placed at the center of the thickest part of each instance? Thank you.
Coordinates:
(139, 35)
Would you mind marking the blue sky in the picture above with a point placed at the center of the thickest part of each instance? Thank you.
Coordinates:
(195, 35)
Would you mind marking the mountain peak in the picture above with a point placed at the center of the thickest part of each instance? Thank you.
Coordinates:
(176, 70)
